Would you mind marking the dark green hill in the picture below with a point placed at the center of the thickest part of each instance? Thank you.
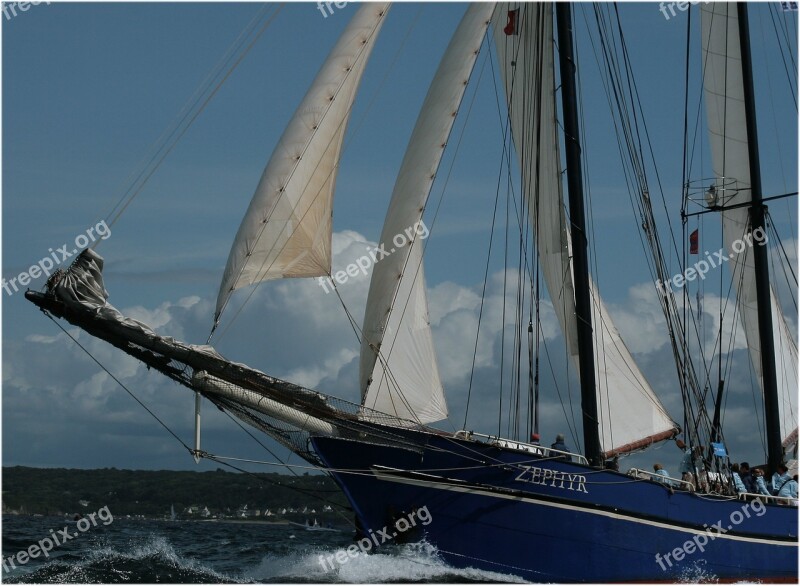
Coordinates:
(152, 493)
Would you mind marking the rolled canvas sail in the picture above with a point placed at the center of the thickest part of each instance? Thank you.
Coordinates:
(286, 231)
(631, 415)
(398, 370)
(725, 112)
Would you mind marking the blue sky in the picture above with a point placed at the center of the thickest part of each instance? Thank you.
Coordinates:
(88, 88)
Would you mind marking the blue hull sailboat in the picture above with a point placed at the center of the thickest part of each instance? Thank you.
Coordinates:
(546, 520)
(502, 504)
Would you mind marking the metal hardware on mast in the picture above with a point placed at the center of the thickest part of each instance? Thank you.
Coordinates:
(580, 257)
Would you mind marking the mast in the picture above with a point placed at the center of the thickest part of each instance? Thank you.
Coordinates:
(580, 260)
(761, 263)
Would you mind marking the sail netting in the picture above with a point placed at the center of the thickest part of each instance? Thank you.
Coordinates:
(289, 413)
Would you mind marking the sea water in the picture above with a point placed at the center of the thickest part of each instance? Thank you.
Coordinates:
(140, 551)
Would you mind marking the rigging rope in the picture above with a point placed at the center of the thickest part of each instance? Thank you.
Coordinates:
(191, 451)
(190, 112)
(329, 502)
(119, 382)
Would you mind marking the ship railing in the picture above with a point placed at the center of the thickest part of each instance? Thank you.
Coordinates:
(778, 500)
(666, 480)
(535, 449)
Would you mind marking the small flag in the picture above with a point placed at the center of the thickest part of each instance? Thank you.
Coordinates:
(719, 449)
(511, 27)
(693, 242)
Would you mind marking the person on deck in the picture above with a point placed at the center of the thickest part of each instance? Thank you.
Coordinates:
(687, 465)
(780, 478)
(789, 491)
(561, 446)
(747, 477)
(659, 469)
(535, 439)
(692, 465)
(761, 485)
(737, 479)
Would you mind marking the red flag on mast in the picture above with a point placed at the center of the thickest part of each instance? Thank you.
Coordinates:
(511, 27)
(693, 242)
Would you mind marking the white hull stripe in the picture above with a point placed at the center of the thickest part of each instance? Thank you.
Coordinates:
(439, 483)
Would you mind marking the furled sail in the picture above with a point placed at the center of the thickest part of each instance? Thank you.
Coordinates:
(631, 415)
(286, 231)
(398, 371)
(725, 111)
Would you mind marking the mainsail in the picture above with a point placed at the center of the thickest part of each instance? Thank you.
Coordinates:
(631, 415)
(286, 231)
(725, 111)
(398, 371)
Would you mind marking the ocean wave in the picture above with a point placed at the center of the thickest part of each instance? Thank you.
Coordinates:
(150, 560)
(418, 562)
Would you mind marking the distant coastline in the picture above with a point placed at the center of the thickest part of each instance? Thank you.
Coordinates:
(193, 496)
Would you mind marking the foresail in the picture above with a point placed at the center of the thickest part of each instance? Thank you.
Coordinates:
(786, 367)
(286, 231)
(725, 112)
(631, 415)
(398, 370)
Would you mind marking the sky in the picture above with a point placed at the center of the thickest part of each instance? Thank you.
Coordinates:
(87, 89)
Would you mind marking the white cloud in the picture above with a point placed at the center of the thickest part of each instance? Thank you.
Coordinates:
(294, 330)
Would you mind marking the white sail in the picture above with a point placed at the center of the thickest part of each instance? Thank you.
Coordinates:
(786, 368)
(398, 371)
(631, 415)
(286, 231)
(725, 111)
(523, 37)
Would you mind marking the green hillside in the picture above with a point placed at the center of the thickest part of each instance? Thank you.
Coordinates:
(53, 491)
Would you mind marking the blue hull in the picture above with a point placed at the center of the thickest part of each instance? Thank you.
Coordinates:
(547, 520)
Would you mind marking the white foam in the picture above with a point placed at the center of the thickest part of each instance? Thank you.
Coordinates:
(407, 563)
(156, 546)
(697, 573)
